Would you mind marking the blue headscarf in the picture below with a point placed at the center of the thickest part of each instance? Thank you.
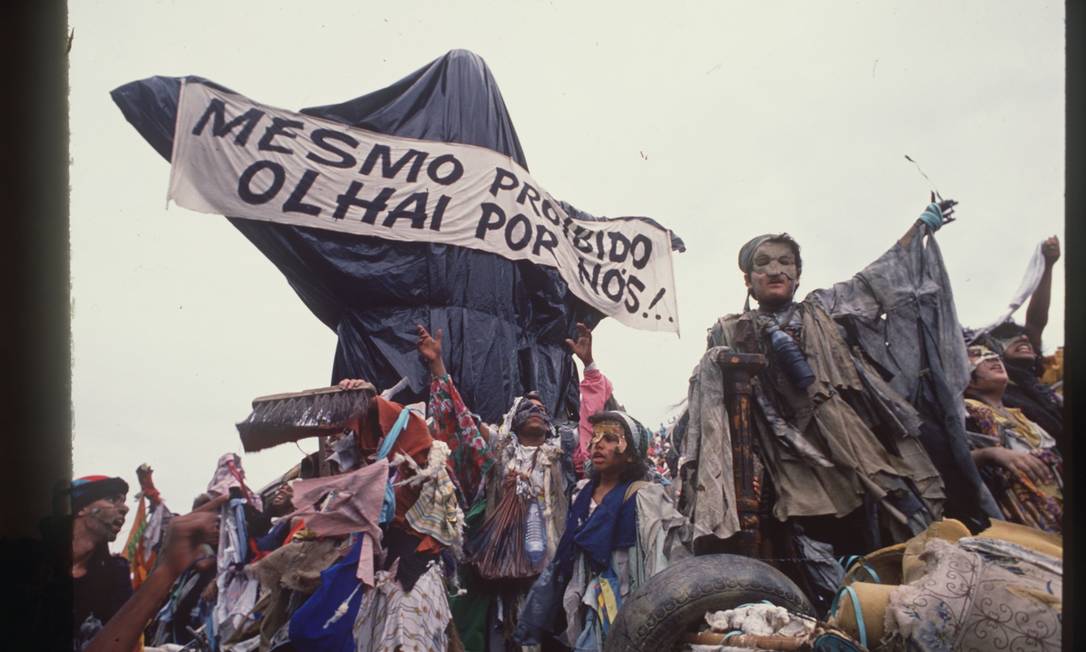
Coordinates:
(612, 526)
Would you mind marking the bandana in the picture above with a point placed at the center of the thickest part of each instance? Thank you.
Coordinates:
(90, 488)
(611, 526)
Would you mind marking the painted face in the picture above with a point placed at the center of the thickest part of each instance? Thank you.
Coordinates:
(105, 516)
(1020, 348)
(774, 276)
(607, 446)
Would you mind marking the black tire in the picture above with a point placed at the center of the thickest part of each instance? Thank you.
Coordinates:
(655, 617)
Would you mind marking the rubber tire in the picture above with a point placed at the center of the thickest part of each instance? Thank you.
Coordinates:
(655, 617)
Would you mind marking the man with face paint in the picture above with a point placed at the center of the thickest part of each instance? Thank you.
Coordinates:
(842, 460)
(100, 581)
(1018, 459)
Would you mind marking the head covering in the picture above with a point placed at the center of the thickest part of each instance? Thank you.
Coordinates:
(637, 435)
(89, 488)
(1004, 334)
(525, 408)
(746, 252)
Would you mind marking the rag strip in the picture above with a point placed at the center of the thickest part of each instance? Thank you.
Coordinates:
(354, 506)
(436, 511)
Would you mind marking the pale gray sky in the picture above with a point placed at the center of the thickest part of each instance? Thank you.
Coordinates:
(721, 120)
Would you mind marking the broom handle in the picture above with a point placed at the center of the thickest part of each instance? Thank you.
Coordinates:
(368, 387)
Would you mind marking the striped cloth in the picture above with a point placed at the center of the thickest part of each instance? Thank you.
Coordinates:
(390, 619)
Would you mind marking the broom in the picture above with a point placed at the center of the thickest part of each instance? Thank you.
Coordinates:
(282, 418)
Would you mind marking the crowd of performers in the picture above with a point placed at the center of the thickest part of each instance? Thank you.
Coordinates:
(872, 418)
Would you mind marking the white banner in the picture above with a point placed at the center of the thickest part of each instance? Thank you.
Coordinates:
(235, 157)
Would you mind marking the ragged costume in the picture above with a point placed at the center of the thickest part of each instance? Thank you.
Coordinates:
(518, 496)
(361, 567)
(857, 414)
(607, 550)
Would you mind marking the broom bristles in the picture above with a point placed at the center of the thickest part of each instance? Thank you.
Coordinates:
(283, 418)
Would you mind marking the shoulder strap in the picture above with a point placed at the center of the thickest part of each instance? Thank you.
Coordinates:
(393, 433)
(634, 487)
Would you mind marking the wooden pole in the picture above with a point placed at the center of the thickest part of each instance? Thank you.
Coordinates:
(738, 369)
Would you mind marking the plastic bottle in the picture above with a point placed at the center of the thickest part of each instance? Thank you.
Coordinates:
(535, 537)
(790, 357)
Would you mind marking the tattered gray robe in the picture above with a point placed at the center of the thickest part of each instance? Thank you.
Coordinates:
(901, 313)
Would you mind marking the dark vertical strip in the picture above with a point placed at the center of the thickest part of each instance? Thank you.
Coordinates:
(1075, 311)
(35, 445)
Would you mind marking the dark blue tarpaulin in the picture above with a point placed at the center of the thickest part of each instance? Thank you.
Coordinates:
(504, 321)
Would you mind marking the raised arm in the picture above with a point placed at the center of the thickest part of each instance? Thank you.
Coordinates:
(453, 422)
(1037, 311)
(934, 217)
(855, 296)
(595, 390)
(180, 550)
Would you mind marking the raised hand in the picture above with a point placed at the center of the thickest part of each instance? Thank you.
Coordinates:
(1050, 249)
(430, 349)
(938, 213)
(582, 346)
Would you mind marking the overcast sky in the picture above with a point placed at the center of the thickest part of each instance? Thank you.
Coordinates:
(720, 120)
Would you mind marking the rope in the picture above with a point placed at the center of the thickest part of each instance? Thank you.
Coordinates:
(856, 609)
(848, 562)
(871, 571)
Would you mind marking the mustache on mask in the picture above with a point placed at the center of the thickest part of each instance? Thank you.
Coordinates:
(781, 273)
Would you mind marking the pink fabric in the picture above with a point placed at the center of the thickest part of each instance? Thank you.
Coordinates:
(356, 507)
(228, 473)
(595, 390)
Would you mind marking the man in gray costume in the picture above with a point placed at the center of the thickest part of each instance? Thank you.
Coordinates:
(861, 394)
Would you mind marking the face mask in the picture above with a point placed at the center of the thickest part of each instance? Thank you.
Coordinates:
(605, 428)
(526, 410)
(775, 258)
(979, 354)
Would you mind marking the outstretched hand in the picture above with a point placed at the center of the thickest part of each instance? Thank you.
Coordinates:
(430, 349)
(582, 346)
